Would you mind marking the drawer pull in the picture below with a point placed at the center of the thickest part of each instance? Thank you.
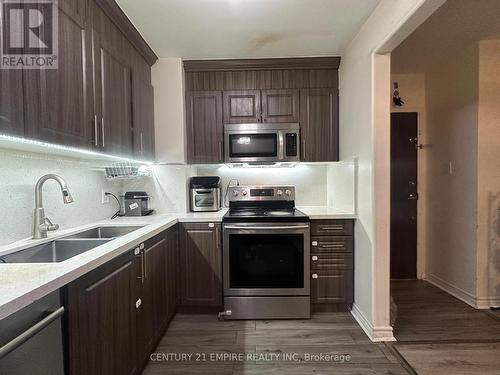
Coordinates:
(314, 257)
(334, 246)
(314, 275)
(333, 227)
(315, 243)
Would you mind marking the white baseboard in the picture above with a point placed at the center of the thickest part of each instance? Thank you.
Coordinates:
(454, 290)
(376, 334)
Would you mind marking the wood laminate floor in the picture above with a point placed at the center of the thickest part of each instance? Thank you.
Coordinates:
(439, 334)
(271, 347)
(428, 314)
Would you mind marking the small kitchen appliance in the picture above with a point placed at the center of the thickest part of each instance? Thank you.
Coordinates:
(137, 203)
(265, 255)
(205, 193)
(257, 144)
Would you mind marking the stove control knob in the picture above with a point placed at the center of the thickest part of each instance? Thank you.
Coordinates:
(244, 192)
(279, 193)
(288, 193)
(235, 193)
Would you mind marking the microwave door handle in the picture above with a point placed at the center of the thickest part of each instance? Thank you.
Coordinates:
(280, 145)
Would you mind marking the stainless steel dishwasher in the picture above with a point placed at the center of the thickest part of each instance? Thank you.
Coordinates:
(31, 339)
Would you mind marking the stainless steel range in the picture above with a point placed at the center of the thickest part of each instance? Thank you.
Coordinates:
(265, 255)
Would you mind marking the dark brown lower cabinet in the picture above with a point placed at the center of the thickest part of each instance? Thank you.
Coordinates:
(200, 267)
(101, 319)
(332, 264)
(117, 313)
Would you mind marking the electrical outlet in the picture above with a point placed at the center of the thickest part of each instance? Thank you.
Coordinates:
(104, 197)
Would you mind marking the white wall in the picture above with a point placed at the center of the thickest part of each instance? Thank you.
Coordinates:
(452, 119)
(167, 76)
(364, 122)
(488, 201)
(19, 173)
(412, 90)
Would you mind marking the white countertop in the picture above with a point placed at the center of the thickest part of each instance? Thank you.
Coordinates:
(23, 283)
(324, 212)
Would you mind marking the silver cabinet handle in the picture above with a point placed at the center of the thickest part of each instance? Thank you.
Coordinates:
(314, 243)
(314, 275)
(30, 332)
(138, 252)
(314, 257)
(96, 131)
(217, 237)
(334, 246)
(333, 227)
(102, 131)
(142, 149)
(219, 147)
(413, 197)
(304, 150)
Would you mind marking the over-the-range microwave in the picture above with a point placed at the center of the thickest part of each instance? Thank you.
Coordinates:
(262, 143)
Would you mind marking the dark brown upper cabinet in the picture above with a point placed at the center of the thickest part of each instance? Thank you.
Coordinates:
(280, 105)
(11, 102)
(303, 90)
(87, 102)
(58, 101)
(112, 87)
(204, 126)
(319, 124)
(143, 120)
(242, 106)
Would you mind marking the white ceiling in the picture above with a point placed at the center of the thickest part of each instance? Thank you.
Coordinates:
(452, 27)
(202, 29)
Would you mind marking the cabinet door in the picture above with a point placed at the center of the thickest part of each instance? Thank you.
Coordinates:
(101, 320)
(242, 106)
(11, 102)
(280, 105)
(58, 101)
(204, 126)
(143, 105)
(172, 271)
(152, 312)
(332, 286)
(112, 86)
(201, 265)
(319, 124)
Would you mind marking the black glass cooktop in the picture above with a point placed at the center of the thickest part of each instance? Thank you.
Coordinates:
(264, 215)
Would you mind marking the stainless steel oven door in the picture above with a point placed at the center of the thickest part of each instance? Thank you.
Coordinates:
(266, 259)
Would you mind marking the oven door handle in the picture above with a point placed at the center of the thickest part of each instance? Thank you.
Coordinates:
(270, 228)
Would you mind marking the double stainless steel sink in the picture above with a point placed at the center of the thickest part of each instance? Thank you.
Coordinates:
(69, 246)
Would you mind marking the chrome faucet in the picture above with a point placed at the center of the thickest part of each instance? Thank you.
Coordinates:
(42, 224)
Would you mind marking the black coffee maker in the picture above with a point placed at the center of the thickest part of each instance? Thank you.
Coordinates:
(137, 203)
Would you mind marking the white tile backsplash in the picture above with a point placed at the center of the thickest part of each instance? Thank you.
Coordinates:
(19, 172)
(321, 185)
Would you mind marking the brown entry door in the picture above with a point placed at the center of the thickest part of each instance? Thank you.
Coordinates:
(404, 195)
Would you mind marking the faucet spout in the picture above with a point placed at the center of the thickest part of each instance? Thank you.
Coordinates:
(41, 224)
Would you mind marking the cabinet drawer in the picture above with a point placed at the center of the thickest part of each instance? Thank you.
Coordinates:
(331, 261)
(332, 287)
(339, 244)
(331, 227)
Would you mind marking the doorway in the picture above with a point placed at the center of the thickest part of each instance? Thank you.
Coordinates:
(404, 195)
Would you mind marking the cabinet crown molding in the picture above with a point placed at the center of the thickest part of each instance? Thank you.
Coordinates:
(120, 19)
(332, 62)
